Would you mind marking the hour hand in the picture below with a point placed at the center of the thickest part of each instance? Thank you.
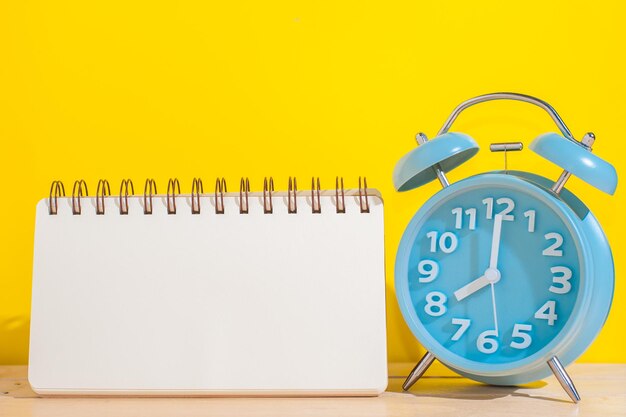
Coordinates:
(471, 288)
(491, 277)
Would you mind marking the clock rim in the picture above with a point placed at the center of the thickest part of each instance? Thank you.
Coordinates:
(566, 341)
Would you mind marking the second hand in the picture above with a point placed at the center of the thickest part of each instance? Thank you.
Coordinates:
(495, 313)
(493, 263)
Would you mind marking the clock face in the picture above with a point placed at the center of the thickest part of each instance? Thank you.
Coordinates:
(493, 274)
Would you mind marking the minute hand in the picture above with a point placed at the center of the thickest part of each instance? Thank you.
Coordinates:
(495, 242)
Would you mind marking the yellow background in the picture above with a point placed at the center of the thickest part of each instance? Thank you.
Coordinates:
(115, 89)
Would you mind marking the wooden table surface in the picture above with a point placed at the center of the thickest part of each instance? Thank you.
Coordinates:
(602, 388)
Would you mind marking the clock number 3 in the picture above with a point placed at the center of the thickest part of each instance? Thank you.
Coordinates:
(561, 276)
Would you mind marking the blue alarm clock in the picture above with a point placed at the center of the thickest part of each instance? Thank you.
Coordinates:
(505, 276)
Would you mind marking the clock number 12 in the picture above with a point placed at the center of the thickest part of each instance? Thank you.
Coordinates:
(510, 205)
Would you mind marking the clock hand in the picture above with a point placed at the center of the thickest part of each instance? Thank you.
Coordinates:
(491, 276)
(495, 313)
(493, 264)
(495, 242)
(471, 288)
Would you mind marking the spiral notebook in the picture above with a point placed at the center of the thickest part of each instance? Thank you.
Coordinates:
(245, 293)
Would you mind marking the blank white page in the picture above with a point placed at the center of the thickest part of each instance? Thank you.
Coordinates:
(209, 304)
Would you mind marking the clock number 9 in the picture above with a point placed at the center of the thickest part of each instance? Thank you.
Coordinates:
(436, 304)
(428, 271)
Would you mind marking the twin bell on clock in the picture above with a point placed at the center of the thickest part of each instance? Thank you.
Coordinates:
(505, 276)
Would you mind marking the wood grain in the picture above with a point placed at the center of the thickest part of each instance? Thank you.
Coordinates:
(602, 387)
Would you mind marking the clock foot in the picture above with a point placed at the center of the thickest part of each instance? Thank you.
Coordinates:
(563, 378)
(419, 370)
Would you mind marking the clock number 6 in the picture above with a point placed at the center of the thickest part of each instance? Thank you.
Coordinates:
(486, 342)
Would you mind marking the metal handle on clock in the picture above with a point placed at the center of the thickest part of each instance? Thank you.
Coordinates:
(585, 143)
(508, 96)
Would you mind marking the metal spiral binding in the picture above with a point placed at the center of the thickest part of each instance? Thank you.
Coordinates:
(196, 190)
(103, 190)
(316, 205)
(172, 186)
(244, 188)
(57, 189)
(220, 188)
(364, 202)
(341, 207)
(150, 184)
(79, 190)
(77, 193)
(292, 202)
(268, 189)
(124, 186)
